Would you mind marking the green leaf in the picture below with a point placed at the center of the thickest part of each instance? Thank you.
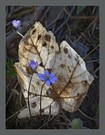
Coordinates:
(10, 69)
(80, 9)
(76, 123)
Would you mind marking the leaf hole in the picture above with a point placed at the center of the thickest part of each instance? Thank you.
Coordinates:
(33, 31)
(65, 50)
(39, 36)
(44, 45)
(52, 47)
(47, 37)
(33, 105)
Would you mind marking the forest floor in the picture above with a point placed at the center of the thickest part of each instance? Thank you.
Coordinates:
(79, 26)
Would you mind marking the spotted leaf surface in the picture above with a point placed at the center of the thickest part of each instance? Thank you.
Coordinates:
(73, 79)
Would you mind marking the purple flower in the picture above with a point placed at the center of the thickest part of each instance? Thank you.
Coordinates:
(47, 77)
(16, 23)
(33, 65)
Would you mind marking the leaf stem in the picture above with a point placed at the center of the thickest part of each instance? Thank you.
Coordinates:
(41, 99)
(28, 96)
(20, 34)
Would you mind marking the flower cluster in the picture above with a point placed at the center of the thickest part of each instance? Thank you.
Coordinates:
(47, 77)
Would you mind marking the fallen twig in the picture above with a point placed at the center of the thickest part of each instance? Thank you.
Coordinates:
(90, 52)
(87, 115)
(87, 28)
(15, 113)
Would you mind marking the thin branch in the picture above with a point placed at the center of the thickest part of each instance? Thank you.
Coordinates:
(81, 17)
(90, 52)
(92, 61)
(15, 113)
(46, 122)
(96, 70)
(45, 13)
(86, 115)
(11, 94)
(56, 17)
(65, 20)
(88, 28)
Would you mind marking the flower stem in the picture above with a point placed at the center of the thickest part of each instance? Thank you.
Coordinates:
(28, 95)
(41, 99)
(20, 34)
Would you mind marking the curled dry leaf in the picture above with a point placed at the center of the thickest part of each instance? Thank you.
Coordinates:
(73, 79)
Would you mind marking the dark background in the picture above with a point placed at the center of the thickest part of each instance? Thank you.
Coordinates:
(79, 26)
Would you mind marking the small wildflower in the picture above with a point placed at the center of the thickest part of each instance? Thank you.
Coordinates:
(47, 77)
(16, 23)
(33, 65)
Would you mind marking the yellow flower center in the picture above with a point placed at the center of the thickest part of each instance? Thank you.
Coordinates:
(47, 77)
